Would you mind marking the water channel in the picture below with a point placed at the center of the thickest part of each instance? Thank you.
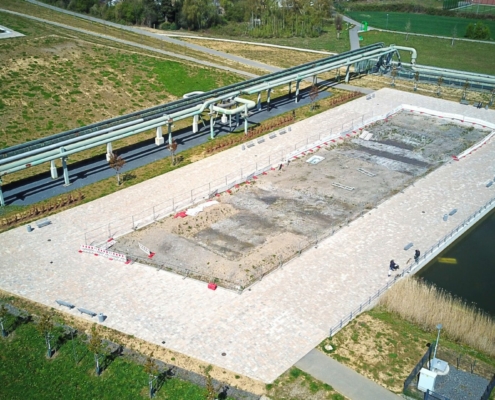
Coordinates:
(467, 267)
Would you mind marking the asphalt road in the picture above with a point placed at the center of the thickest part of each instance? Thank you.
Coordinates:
(42, 187)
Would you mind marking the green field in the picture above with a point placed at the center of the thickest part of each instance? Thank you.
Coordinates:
(26, 373)
(420, 23)
(464, 56)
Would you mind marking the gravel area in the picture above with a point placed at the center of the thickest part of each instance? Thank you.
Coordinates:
(460, 385)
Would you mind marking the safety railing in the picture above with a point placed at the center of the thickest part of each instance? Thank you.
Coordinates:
(412, 266)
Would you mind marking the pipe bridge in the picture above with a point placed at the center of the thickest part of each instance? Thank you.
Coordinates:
(227, 101)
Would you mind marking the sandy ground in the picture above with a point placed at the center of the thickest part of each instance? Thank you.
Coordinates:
(257, 226)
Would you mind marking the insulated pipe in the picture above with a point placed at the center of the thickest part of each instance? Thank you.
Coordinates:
(191, 94)
(93, 142)
(414, 53)
(68, 141)
(461, 75)
(246, 104)
(319, 69)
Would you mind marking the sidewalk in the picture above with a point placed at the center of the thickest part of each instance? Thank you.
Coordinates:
(343, 379)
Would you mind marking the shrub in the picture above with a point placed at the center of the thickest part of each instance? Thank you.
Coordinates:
(478, 31)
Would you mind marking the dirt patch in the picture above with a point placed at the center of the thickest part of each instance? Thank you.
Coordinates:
(258, 226)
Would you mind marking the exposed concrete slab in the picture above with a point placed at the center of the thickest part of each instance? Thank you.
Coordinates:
(266, 330)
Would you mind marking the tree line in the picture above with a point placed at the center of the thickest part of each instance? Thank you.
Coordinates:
(262, 18)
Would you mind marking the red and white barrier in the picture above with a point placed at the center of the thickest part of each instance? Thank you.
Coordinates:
(111, 255)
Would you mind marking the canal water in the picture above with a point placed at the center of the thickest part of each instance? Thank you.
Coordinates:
(467, 267)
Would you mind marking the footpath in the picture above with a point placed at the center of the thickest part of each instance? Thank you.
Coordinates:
(343, 379)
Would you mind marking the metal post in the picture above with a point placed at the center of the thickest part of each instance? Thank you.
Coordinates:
(297, 91)
(159, 140)
(109, 151)
(169, 133)
(53, 169)
(66, 171)
(195, 123)
(2, 200)
(258, 102)
(290, 88)
(245, 120)
(212, 122)
(268, 98)
(439, 327)
(347, 73)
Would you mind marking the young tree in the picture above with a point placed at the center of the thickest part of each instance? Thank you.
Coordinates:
(173, 148)
(408, 29)
(394, 74)
(439, 88)
(313, 95)
(416, 80)
(151, 368)
(465, 87)
(454, 34)
(339, 20)
(116, 162)
(211, 392)
(3, 315)
(45, 328)
(96, 347)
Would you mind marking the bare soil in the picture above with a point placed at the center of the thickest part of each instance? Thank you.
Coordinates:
(263, 224)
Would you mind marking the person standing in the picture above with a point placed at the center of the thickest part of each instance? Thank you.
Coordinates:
(417, 253)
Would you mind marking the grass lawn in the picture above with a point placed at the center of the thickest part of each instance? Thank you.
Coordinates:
(420, 23)
(295, 384)
(326, 42)
(465, 56)
(26, 373)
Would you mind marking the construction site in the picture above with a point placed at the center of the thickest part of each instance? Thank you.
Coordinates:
(256, 226)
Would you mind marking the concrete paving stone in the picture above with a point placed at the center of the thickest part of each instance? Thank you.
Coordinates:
(265, 330)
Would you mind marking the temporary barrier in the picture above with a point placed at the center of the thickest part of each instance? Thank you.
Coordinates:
(111, 255)
(146, 250)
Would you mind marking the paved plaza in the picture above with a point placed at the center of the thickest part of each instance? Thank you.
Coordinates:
(267, 329)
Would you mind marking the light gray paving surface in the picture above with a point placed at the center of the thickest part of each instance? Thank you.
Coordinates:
(343, 379)
(266, 330)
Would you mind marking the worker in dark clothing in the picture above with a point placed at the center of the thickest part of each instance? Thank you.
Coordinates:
(393, 266)
(417, 253)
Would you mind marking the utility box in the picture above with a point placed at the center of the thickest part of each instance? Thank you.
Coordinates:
(426, 380)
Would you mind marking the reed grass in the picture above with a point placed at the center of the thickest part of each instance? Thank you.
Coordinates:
(426, 306)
